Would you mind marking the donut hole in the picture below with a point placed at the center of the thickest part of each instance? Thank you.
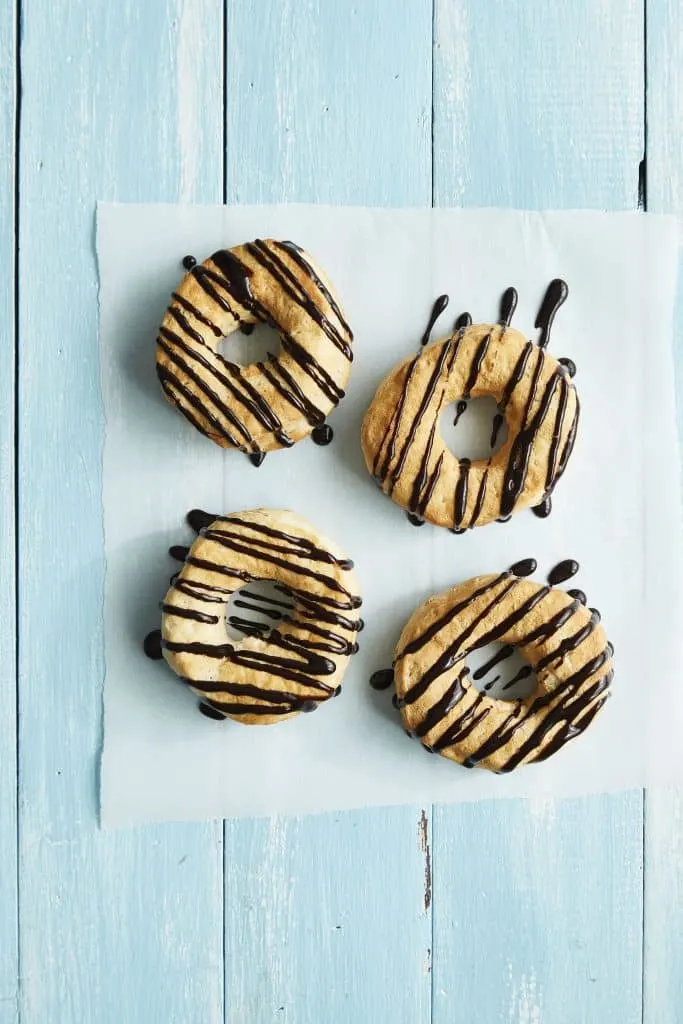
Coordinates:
(256, 609)
(249, 346)
(499, 671)
(467, 428)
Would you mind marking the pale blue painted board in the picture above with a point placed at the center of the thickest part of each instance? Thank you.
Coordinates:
(328, 102)
(538, 105)
(121, 101)
(663, 947)
(8, 757)
(538, 908)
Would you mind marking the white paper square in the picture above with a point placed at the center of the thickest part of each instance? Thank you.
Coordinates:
(617, 510)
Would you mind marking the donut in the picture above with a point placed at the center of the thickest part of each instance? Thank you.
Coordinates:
(405, 452)
(262, 677)
(266, 405)
(561, 640)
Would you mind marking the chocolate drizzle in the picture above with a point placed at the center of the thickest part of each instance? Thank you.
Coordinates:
(322, 434)
(563, 571)
(306, 633)
(189, 262)
(525, 567)
(555, 713)
(382, 679)
(555, 296)
(211, 391)
(544, 509)
(152, 645)
(508, 305)
(550, 405)
(437, 309)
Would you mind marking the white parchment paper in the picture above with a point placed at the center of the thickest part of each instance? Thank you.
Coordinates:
(617, 510)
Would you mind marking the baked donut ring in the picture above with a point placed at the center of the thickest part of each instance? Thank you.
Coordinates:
(561, 640)
(267, 405)
(261, 679)
(406, 454)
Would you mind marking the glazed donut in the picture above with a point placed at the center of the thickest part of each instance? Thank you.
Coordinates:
(406, 454)
(266, 405)
(260, 679)
(560, 639)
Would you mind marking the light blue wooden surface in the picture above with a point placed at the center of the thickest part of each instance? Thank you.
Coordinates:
(663, 945)
(120, 101)
(8, 756)
(333, 105)
(517, 912)
(548, 924)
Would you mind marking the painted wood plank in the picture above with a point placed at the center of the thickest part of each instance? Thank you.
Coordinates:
(538, 911)
(327, 918)
(8, 724)
(120, 101)
(663, 941)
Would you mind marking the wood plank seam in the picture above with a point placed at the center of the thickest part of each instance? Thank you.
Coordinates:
(15, 412)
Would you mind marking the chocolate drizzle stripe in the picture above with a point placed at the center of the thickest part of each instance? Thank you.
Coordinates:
(297, 255)
(280, 272)
(189, 307)
(227, 283)
(297, 651)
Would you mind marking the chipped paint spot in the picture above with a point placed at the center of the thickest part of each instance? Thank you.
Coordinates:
(526, 998)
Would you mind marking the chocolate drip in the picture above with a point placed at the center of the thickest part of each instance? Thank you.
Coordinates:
(578, 595)
(247, 329)
(463, 321)
(524, 673)
(179, 552)
(383, 679)
(210, 711)
(508, 305)
(556, 294)
(525, 567)
(502, 655)
(569, 365)
(437, 309)
(414, 520)
(152, 645)
(198, 520)
(498, 421)
(563, 571)
(544, 509)
(257, 458)
(189, 262)
(322, 434)
(460, 408)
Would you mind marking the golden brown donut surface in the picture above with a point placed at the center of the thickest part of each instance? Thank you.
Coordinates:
(259, 680)
(555, 633)
(406, 454)
(266, 405)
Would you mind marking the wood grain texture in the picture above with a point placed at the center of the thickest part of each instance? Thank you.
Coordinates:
(121, 102)
(663, 947)
(544, 921)
(560, 125)
(328, 102)
(8, 750)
